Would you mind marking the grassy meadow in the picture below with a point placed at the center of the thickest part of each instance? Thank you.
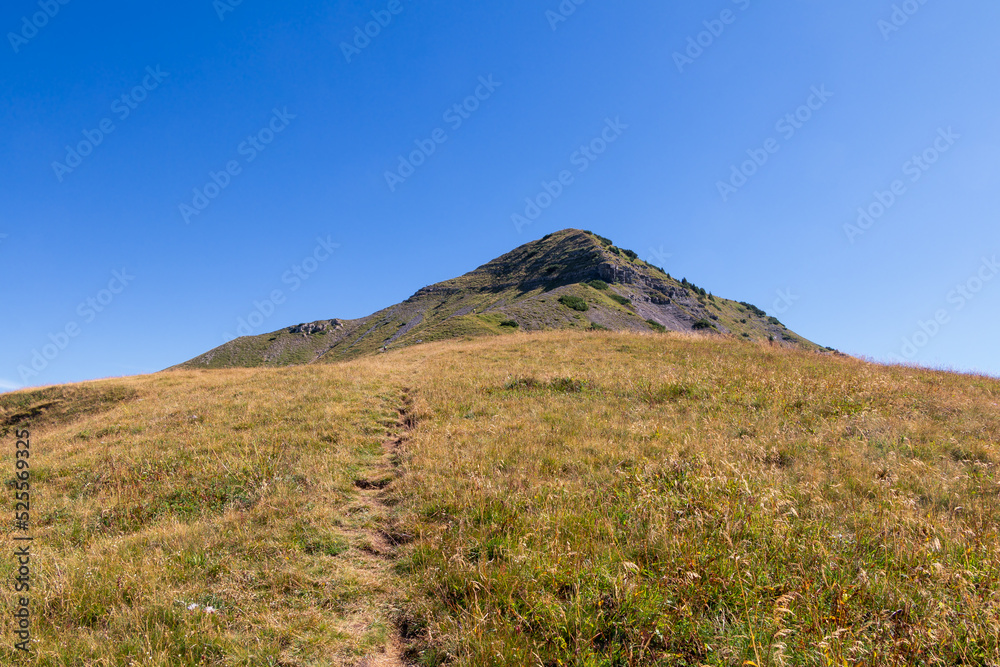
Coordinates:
(549, 499)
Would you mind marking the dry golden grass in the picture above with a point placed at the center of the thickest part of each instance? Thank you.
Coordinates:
(635, 500)
(564, 499)
(229, 489)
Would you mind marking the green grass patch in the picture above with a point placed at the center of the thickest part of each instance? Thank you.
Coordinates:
(574, 303)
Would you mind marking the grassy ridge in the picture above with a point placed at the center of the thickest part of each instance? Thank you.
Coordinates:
(232, 490)
(616, 501)
(566, 498)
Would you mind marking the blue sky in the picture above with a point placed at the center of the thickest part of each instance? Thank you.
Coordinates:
(166, 171)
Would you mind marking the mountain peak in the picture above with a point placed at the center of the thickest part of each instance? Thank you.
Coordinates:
(560, 258)
(570, 279)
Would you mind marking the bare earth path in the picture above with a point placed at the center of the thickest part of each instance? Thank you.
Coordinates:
(379, 549)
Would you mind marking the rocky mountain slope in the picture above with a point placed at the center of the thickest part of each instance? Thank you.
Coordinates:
(571, 279)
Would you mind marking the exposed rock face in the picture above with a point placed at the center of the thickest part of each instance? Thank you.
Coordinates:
(436, 290)
(659, 299)
(614, 273)
(316, 327)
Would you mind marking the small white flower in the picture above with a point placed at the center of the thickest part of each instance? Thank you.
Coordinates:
(209, 610)
(192, 606)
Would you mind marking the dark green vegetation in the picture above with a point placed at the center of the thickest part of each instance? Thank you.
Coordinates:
(574, 302)
(568, 280)
(625, 301)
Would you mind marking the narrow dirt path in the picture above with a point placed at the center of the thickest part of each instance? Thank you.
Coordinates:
(380, 547)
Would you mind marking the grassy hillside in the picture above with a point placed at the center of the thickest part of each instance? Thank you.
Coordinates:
(561, 498)
(530, 288)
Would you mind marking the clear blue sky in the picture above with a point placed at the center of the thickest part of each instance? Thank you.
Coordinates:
(308, 130)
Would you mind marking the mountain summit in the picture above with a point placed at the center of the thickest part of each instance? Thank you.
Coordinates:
(570, 279)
